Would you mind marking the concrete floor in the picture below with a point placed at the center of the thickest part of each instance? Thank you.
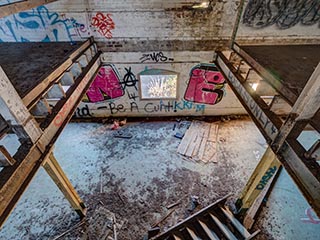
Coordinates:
(147, 174)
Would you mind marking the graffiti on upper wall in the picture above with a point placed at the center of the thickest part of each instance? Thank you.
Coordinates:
(104, 24)
(155, 57)
(206, 85)
(285, 14)
(311, 217)
(49, 27)
(117, 95)
(79, 29)
(105, 86)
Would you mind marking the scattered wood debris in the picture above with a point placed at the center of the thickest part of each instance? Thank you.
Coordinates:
(71, 229)
(163, 218)
(200, 142)
(174, 204)
(102, 225)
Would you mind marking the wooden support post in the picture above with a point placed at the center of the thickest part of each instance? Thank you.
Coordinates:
(18, 110)
(265, 170)
(282, 138)
(58, 176)
(304, 109)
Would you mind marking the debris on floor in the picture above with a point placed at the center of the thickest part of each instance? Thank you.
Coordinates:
(181, 127)
(115, 125)
(200, 142)
(102, 225)
(137, 179)
(122, 134)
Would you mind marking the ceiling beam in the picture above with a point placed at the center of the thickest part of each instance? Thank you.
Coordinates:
(16, 7)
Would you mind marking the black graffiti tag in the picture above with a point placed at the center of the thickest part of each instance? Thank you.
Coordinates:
(129, 79)
(155, 57)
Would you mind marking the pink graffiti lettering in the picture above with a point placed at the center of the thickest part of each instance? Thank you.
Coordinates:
(311, 219)
(104, 24)
(206, 85)
(105, 86)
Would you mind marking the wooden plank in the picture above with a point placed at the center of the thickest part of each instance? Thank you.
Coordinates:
(303, 171)
(187, 139)
(193, 142)
(223, 228)
(176, 237)
(14, 180)
(184, 142)
(192, 234)
(210, 154)
(252, 211)
(213, 132)
(56, 173)
(18, 110)
(208, 231)
(195, 153)
(5, 157)
(236, 223)
(200, 213)
(204, 140)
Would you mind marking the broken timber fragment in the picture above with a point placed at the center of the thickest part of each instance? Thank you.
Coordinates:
(163, 218)
(174, 204)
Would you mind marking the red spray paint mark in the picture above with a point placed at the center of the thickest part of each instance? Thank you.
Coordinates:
(206, 85)
(105, 86)
(104, 24)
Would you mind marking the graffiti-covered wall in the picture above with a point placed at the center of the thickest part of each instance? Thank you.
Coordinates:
(131, 25)
(176, 25)
(173, 84)
(280, 21)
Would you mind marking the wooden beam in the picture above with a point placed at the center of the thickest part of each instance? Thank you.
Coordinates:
(286, 93)
(18, 110)
(16, 7)
(54, 170)
(15, 179)
(5, 158)
(304, 109)
(304, 172)
(264, 171)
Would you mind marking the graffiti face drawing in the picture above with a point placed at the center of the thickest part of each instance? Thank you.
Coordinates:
(206, 85)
